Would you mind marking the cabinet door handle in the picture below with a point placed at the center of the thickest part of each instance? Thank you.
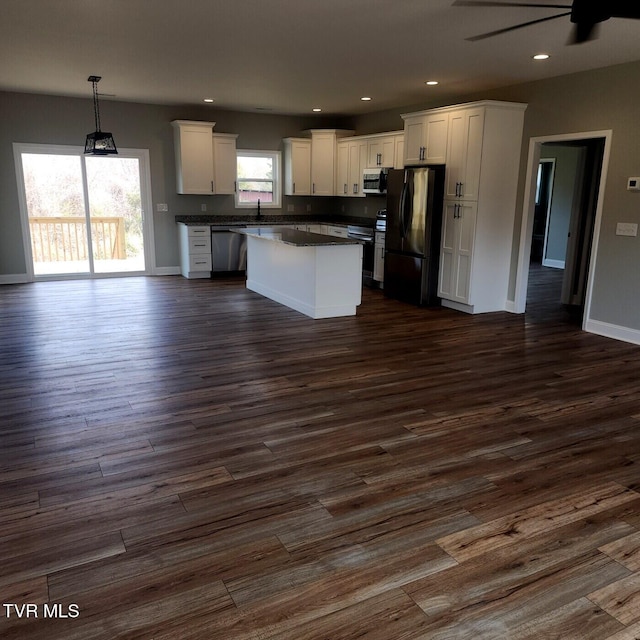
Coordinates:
(212, 186)
(355, 187)
(294, 187)
(313, 188)
(235, 187)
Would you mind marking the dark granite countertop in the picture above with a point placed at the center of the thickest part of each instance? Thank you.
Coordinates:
(244, 220)
(295, 237)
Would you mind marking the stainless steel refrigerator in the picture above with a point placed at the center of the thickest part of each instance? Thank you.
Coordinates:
(412, 241)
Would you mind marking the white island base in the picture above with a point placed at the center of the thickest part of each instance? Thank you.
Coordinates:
(320, 278)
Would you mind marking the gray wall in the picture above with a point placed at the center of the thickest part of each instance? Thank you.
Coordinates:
(591, 101)
(30, 118)
(602, 99)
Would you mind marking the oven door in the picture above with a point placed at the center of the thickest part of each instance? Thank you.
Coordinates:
(367, 237)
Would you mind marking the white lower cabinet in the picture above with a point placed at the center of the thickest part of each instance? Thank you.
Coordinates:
(195, 250)
(456, 251)
(336, 231)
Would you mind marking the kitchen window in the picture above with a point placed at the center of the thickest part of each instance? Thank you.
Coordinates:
(258, 179)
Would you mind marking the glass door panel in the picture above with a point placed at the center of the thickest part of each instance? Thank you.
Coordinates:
(56, 211)
(115, 212)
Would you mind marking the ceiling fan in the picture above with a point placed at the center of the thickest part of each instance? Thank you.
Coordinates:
(585, 15)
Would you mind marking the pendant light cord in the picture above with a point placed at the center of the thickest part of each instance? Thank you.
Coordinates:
(96, 108)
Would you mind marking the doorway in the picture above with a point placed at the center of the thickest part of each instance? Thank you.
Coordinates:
(83, 216)
(557, 265)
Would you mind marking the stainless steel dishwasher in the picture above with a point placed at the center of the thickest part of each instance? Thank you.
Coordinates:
(228, 251)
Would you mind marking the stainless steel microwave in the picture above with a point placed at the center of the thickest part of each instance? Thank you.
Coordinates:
(375, 180)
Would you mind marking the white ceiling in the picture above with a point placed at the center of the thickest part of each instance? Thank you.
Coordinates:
(288, 56)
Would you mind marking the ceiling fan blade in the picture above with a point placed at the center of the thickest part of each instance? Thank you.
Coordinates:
(584, 32)
(517, 26)
(490, 3)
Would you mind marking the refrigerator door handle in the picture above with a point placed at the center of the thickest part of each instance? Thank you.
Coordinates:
(403, 216)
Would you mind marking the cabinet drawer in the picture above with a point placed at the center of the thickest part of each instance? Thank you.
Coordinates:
(199, 245)
(199, 231)
(340, 232)
(200, 263)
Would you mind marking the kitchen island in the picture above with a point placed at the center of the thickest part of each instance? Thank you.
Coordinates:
(315, 274)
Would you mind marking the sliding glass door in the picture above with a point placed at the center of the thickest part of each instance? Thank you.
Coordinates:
(84, 213)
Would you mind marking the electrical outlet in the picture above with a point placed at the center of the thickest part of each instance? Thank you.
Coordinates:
(366, 209)
(308, 208)
(203, 207)
(290, 208)
(161, 206)
(626, 229)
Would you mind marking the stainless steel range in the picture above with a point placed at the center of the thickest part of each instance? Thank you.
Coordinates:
(367, 236)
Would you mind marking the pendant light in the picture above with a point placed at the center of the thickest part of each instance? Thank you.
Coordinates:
(98, 143)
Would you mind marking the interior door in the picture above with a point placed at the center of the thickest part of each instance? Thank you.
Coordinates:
(582, 223)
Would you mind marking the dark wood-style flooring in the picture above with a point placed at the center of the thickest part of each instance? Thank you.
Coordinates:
(187, 460)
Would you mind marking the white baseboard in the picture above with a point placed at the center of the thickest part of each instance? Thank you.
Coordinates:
(510, 306)
(555, 264)
(18, 278)
(166, 271)
(613, 331)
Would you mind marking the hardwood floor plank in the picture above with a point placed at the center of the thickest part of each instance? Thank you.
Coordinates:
(188, 460)
(620, 599)
(543, 517)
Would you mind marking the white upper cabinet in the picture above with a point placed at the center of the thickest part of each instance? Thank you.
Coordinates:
(311, 164)
(205, 161)
(352, 161)
(425, 138)
(464, 153)
(381, 152)
(323, 162)
(297, 166)
(398, 159)
(194, 156)
(225, 165)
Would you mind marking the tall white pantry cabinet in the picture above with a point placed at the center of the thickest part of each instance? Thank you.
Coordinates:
(482, 160)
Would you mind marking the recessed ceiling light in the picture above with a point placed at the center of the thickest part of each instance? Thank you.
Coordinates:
(541, 56)
(317, 109)
(365, 99)
(431, 83)
(208, 99)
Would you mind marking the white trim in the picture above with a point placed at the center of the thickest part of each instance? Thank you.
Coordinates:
(17, 278)
(526, 227)
(554, 264)
(277, 179)
(613, 331)
(166, 271)
(510, 306)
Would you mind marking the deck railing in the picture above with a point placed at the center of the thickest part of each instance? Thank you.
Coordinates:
(62, 238)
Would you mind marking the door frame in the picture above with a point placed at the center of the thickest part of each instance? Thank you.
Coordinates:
(145, 200)
(526, 227)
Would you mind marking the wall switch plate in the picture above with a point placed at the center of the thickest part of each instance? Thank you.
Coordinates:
(633, 184)
(308, 208)
(161, 206)
(626, 229)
